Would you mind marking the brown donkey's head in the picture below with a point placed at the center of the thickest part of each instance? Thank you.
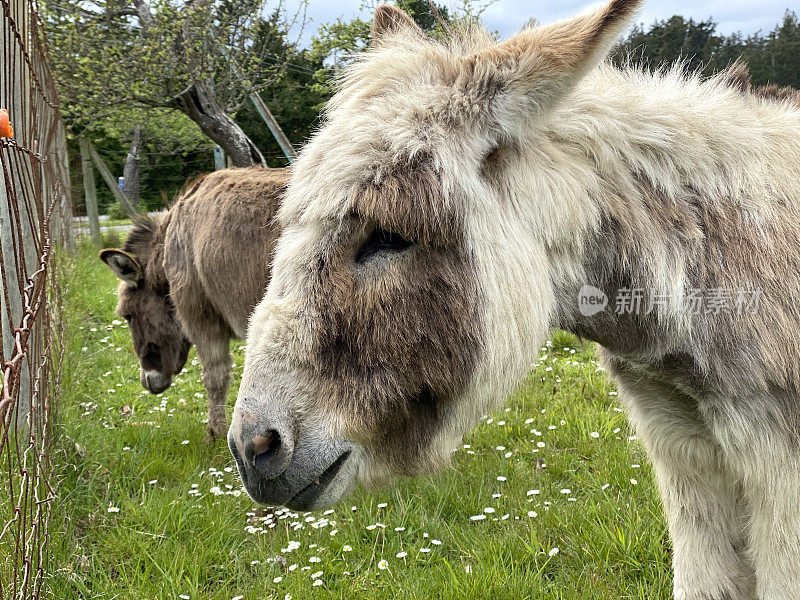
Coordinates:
(144, 302)
(409, 292)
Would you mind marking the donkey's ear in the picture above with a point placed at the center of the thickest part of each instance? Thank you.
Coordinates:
(388, 20)
(123, 265)
(543, 63)
(738, 77)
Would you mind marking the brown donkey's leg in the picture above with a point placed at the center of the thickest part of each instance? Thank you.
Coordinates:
(215, 356)
(703, 505)
(211, 336)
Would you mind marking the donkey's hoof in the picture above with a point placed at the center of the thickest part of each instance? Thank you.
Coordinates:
(212, 436)
(214, 433)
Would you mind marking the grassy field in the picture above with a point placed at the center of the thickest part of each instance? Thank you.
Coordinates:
(550, 498)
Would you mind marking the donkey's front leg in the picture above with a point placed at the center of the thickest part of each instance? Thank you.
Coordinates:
(761, 438)
(705, 517)
(214, 354)
(776, 530)
(703, 506)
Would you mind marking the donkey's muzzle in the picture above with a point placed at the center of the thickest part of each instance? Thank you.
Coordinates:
(302, 473)
(155, 382)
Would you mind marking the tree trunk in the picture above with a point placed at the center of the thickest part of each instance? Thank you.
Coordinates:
(198, 103)
(146, 19)
(131, 173)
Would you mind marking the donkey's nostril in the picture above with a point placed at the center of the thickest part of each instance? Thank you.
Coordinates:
(265, 447)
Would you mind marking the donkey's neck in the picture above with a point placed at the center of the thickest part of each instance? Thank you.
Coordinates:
(619, 295)
(663, 164)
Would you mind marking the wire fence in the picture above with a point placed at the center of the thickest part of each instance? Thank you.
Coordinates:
(34, 220)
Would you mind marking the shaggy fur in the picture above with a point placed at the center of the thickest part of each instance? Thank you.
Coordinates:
(179, 284)
(553, 171)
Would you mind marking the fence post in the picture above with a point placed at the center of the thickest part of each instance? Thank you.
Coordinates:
(16, 233)
(67, 234)
(59, 200)
(90, 192)
(32, 188)
(112, 183)
(263, 110)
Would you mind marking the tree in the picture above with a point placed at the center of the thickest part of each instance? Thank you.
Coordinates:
(336, 44)
(774, 58)
(675, 39)
(112, 55)
(781, 48)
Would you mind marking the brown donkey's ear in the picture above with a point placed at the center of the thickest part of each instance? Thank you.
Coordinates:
(542, 64)
(389, 19)
(123, 265)
(738, 76)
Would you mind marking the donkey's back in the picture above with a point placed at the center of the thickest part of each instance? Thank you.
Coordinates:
(218, 248)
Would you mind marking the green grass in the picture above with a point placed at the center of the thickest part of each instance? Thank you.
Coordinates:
(185, 528)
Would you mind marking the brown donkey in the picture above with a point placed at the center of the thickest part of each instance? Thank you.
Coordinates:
(462, 198)
(194, 276)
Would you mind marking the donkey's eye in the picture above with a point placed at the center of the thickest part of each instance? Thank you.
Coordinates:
(379, 241)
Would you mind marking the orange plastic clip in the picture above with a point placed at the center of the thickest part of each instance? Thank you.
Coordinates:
(6, 130)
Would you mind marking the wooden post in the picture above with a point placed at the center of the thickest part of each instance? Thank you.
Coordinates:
(90, 192)
(261, 107)
(112, 183)
(272, 124)
(16, 231)
(63, 211)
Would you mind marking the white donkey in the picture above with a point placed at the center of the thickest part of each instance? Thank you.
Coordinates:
(464, 197)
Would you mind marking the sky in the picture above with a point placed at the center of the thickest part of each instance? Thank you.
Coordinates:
(507, 16)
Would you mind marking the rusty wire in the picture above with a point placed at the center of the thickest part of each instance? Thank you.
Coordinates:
(34, 217)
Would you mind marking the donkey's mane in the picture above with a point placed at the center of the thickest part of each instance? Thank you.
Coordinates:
(145, 243)
(189, 187)
(141, 236)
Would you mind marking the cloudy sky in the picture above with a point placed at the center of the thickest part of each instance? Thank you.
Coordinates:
(506, 16)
